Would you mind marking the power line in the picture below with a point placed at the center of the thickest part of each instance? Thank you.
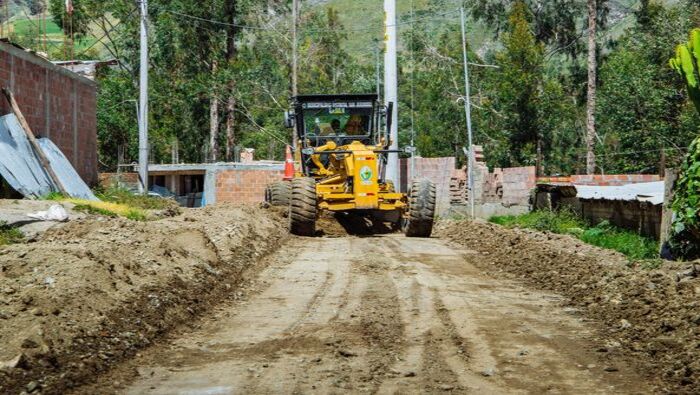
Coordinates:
(250, 27)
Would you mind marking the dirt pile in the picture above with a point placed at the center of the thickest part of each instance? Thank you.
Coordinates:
(651, 315)
(92, 292)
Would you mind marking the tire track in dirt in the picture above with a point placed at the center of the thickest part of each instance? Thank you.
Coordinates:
(381, 315)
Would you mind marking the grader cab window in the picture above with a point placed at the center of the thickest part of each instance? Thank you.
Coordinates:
(340, 121)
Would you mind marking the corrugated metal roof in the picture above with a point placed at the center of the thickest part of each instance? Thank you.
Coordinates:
(651, 192)
(20, 167)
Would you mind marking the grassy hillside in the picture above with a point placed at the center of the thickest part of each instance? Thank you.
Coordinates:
(364, 20)
(29, 32)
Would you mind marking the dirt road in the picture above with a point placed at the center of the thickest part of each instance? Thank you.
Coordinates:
(381, 314)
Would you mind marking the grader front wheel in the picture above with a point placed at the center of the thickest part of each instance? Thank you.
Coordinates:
(421, 209)
(303, 208)
(278, 193)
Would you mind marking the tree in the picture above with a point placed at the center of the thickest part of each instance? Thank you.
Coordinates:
(521, 62)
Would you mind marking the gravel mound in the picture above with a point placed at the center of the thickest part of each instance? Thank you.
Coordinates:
(651, 315)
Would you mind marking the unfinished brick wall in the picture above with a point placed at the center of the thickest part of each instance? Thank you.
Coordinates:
(57, 104)
(244, 185)
(107, 180)
(601, 180)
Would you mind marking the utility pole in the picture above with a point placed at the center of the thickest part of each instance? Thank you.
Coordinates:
(377, 72)
(591, 99)
(468, 113)
(143, 100)
(391, 87)
(295, 18)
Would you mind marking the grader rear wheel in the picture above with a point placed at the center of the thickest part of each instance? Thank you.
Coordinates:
(421, 209)
(303, 207)
(278, 193)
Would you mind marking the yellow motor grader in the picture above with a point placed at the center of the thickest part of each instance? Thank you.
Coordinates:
(341, 151)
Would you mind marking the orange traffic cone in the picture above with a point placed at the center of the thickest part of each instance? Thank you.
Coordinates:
(288, 165)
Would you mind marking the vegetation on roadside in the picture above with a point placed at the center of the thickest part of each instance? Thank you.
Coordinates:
(117, 202)
(127, 197)
(9, 234)
(685, 238)
(109, 209)
(604, 235)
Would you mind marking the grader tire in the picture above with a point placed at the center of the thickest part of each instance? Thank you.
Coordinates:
(278, 193)
(421, 209)
(303, 208)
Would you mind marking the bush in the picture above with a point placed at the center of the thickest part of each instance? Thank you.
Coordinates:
(604, 235)
(685, 237)
(9, 234)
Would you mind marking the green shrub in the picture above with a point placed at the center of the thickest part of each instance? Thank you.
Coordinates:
(604, 235)
(9, 234)
(685, 236)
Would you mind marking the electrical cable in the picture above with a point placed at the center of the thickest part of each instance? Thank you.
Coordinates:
(250, 27)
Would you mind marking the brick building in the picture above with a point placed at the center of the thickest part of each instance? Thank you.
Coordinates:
(196, 185)
(57, 103)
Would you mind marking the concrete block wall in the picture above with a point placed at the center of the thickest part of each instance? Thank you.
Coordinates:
(518, 183)
(439, 170)
(57, 104)
(244, 185)
(641, 217)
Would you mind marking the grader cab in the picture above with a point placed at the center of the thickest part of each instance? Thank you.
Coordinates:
(342, 147)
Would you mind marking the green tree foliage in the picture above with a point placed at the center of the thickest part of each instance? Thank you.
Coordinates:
(643, 105)
(534, 99)
(519, 84)
(685, 240)
(554, 22)
(184, 78)
(534, 107)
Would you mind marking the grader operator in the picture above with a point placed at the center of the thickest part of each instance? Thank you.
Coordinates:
(342, 147)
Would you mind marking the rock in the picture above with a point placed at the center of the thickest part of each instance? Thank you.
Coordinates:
(347, 353)
(488, 372)
(624, 324)
(29, 343)
(409, 374)
(447, 387)
(37, 311)
(523, 352)
(32, 386)
(610, 369)
(19, 361)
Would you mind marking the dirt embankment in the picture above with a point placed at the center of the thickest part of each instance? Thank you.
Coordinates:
(92, 292)
(650, 315)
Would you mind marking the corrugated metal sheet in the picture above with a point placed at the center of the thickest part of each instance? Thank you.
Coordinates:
(652, 192)
(20, 167)
(70, 179)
